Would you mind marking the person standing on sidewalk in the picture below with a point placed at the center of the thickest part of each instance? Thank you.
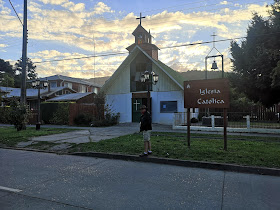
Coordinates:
(146, 127)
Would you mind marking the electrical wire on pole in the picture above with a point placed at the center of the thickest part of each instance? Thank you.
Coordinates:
(16, 12)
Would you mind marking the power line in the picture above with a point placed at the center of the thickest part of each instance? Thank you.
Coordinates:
(78, 58)
(221, 40)
(16, 12)
(167, 47)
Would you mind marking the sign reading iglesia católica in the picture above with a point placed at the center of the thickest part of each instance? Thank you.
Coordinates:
(211, 93)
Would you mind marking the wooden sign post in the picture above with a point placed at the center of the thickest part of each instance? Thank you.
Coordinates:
(212, 93)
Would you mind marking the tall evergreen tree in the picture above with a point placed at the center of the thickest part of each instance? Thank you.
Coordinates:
(30, 71)
(256, 60)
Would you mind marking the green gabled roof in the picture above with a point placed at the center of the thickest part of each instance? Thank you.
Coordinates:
(176, 75)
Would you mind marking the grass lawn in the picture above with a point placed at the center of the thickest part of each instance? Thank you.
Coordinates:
(242, 150)
(9, 136)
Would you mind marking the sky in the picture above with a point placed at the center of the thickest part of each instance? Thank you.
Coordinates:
(65, 29)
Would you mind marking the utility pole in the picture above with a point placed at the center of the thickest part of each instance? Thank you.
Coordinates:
(94, 59)
(24, 55)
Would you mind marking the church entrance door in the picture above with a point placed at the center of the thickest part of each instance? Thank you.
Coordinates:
(136, 105)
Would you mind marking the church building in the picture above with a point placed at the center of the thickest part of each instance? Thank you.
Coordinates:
(125, 92)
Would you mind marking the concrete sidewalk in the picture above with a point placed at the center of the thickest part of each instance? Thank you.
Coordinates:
(89, 134)
(95, 134)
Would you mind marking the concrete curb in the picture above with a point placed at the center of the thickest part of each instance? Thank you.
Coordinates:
(185, 163)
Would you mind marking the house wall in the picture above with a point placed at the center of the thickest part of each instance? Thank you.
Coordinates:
(121, 103)
(75, 86)
(62, 92)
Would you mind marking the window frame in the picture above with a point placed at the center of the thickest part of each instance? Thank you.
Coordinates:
(162, 103)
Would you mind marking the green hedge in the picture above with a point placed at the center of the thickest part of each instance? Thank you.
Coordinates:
(5, 114)
(55, 113)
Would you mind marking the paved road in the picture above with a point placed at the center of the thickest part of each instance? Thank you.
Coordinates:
(49, 181)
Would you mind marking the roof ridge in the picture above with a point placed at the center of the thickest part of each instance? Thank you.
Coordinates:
(175, 74)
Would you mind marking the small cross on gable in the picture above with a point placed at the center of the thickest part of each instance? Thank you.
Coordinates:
(140, 18)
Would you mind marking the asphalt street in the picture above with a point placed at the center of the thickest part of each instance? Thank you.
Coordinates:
(31, 180)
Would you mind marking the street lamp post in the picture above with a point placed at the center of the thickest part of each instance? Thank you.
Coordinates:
(38, 84)
(149, 79)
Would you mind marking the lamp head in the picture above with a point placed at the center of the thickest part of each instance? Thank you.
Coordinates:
(155, 77)
(34, 83)
(147, 75)
(45, 84)
(142, 78)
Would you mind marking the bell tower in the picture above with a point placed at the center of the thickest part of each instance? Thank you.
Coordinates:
(143, 39)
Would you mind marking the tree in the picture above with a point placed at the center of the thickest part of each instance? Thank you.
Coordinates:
(6, 74)
(7, 80)
(255, 60)
(276, 76)
(30, 71)
(6, 67)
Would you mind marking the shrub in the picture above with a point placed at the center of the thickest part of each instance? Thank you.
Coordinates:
(194, 120)
(55, 113)
(5, 114)
(104, 114)
(236, 117)
(83, 119)
(200, 115)
(48, 110)
(109, 120)
(19, 115)
(61, 115)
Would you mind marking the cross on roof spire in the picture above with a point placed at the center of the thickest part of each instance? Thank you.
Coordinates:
(140, 18)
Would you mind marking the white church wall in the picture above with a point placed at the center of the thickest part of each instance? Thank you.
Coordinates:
(121, 103)
(157, 97)
(121, 83)
(165, 83)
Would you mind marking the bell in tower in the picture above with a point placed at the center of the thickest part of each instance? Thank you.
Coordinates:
(143, 39)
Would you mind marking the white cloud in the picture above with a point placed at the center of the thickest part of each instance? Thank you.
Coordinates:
(224, 2)
(55, 2)
(80, 7)
(82, 68)
(74, 25)
(101, 8)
